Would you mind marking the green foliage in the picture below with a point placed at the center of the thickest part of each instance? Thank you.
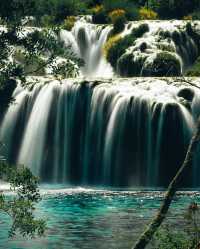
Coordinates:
(69, 23)
(166, 239)
(59, 10)
(194, 70)
(167, 9)
(40, 49)
(119, 47)
(20, 207)
(184, 237)
(14, 10)
(119, 24)
(195, 15)
(130, 7)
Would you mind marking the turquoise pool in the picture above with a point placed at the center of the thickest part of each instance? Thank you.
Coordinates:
(95, 218)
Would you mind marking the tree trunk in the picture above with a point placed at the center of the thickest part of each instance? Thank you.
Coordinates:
(157, 221)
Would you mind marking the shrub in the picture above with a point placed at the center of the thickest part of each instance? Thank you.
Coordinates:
(167, 9)
(119, 24)
(31, 67)
(184, 236)
(99, 15)
(147, 14)
(130, 8)
(196, 15)
(116, 14)
(69, 23)
(194, 71)
(112, 41)
(97, 8)
(47, 21)
(117, 17)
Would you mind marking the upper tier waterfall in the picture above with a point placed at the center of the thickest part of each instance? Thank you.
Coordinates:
(87, 41)
(175, 39)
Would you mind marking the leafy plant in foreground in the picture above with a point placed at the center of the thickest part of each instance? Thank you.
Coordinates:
(21, 206)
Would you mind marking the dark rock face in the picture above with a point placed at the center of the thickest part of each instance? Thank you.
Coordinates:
(186, 93)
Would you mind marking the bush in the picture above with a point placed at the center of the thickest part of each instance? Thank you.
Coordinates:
(130, 8)
(99, 15)
(117, 17)
(194, 71)
(167, 9)
(47, 21)
(147, 14)
(183, 237)
(69, 23)
(119, 25)
(60, 9)
(116, 14)
(196, 15)
(110, 46)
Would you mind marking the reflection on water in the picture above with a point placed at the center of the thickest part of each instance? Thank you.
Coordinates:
(100, 219)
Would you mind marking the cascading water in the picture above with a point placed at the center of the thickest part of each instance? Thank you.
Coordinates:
(119, 132)
(128, 132)
(87, 41)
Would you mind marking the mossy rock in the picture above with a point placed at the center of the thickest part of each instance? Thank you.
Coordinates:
(164, 64)
(118, 49)
(129, 66)
(140, 30)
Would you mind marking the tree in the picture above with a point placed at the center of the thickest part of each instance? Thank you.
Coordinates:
(25, 53)
(157, 221)
(21, 206)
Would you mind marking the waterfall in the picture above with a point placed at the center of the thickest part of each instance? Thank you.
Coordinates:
(87, 41)
(129, 132)
(115, 132)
